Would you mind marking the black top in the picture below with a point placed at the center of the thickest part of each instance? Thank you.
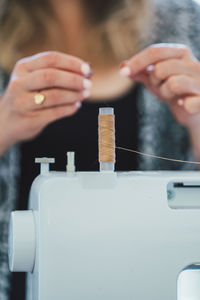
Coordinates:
(78, 133)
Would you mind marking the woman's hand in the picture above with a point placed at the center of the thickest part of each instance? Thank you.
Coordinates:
(172, 73)
(59, 77)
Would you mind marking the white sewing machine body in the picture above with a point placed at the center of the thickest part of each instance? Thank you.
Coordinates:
(113, 236)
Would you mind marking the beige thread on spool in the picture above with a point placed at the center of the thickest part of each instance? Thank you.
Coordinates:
(106, 131)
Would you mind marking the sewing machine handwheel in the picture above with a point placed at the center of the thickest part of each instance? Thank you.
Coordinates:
(22, 241)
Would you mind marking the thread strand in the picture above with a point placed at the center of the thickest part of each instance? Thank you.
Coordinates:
(159, 157)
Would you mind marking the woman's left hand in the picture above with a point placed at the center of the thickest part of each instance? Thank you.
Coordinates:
(172, 73)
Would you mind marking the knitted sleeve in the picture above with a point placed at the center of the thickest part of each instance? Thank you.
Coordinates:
(178, 22)
(9, 173)
(175, 21)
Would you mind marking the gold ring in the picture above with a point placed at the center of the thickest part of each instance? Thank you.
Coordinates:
(39, 98)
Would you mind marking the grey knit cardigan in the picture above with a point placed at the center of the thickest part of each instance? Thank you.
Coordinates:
(176, 21)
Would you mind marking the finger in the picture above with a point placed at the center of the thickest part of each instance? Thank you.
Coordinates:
(192, 105)
(52, 78)
(179, 86)
(53, 97)
(53, 59)
(143, 78)
(154, 80)
(155, 54)
(50, 115)
(171, 67)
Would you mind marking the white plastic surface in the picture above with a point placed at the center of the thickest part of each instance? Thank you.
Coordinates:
(111, 236)
(22, 241)
(189, 285)
(106, 111)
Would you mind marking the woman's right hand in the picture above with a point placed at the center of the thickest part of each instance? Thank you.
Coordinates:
(61, 78)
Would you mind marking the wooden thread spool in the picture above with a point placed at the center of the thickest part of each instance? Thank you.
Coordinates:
(106, 139)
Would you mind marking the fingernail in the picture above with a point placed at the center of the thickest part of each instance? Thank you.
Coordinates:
(124, 64)
(78, 104)
(125, 71)
(86, 94)
(85, 69)
(90, 74)
(150, 68)
(180, 102)
(87, 84)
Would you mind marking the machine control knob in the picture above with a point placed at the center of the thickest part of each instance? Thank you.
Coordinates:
(22, 241)
(44, 164)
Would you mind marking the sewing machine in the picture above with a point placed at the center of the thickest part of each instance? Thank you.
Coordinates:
(109, 236)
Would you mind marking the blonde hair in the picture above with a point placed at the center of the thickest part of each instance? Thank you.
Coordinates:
(24, 27)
